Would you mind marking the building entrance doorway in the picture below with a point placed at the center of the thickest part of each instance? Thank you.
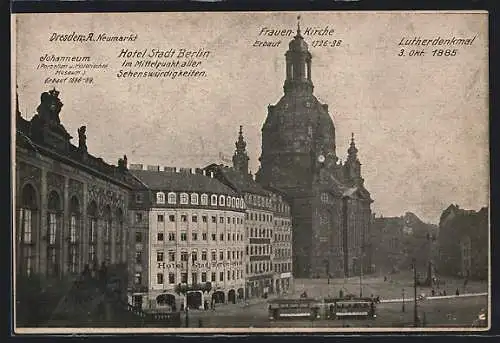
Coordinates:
(231, 296)
(218, 297)
(194, 299)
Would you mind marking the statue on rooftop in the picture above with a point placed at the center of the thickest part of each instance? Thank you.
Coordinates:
(82, 138)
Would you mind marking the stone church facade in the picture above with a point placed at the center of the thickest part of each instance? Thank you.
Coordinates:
(71, 207)
(330, 205)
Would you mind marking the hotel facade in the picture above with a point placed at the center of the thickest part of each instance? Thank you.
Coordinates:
(192, 240)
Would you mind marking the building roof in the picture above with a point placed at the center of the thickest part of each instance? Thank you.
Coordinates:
(240, 181)
(181, 182)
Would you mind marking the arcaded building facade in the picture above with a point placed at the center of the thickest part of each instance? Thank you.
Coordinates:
(71, 207)
(330, 206)
(191, 251)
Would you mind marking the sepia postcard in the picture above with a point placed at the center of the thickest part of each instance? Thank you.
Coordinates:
(251, 172)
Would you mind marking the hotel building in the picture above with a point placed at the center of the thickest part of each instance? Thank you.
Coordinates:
(189, 242)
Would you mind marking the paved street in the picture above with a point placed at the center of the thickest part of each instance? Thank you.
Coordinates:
(449, 311)
(390, 289)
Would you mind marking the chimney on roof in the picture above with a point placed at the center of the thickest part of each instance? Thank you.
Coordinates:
(136, 166)
(153, 168)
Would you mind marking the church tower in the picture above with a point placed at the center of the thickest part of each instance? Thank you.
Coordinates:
(298, 136)
(240, 157)
(352, 166)
(330, 207)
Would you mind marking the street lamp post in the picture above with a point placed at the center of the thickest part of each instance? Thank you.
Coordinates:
(415, 313)
(327, 266)
(187, 289)
(361, 277)
(403, 307)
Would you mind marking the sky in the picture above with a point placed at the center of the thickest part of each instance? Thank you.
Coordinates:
(420, 122)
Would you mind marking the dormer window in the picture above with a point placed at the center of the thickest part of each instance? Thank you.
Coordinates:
(172, 198)
(237, 202)
(160, 198)
(213, 200)
(230, 201)
(138, 198)
(222, 200)
(194, 199)
(204, 199)
(184, 199)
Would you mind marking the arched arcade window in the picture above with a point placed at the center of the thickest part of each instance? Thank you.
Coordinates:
(27, 228)
(73, 235)
(107, 234)
(92, 239)
(119, 236)
(53, 226)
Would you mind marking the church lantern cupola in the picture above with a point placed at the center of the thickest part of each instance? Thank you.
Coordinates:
(240, 157)
(298, 65)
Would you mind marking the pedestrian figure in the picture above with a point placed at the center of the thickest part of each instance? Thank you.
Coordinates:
(433, 292)
(385, 278)
(457, 292)
(444, 292)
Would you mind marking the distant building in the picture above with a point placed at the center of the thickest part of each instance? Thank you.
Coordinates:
(398, 241)
(268, 252)
(189, 240)
(330, 205)
(463, 243)
(71, 207)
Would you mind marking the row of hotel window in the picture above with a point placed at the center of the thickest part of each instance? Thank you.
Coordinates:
(264, 267)
(160, 255)
(260, 233)
(261, 201)
(255, 268)
(280, 237)
(280, 252)
(194, 219)
(231, 275)
(160, 237)
(196, 199)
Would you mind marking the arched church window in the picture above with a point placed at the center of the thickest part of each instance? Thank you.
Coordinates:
(27, 224)
(53, 227)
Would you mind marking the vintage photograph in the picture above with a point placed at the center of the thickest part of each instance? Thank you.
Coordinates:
(250, 172)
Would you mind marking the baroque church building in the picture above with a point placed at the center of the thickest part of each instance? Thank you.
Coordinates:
(330, 206)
